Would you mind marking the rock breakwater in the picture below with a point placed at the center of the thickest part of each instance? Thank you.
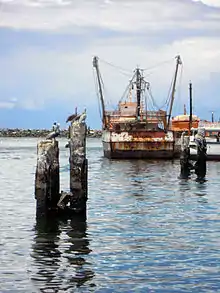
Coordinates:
(16, 132)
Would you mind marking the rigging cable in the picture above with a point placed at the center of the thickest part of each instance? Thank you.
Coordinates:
(120, 69)
(97, 92)
(130, 83)
(107, 96)
(153, 104)
(180, 84)
(149, 90)
(169, 93)
(157, 65)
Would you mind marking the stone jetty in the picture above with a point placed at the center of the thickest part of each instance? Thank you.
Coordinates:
(16, 132)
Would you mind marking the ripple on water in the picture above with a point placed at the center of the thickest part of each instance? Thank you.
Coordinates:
(146, 230)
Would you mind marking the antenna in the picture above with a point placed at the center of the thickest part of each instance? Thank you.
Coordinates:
(212, 116)
(190, 106)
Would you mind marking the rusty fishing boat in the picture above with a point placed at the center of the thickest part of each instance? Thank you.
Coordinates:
(132, 131)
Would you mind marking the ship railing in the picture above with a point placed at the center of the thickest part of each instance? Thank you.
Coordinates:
(119, 114)
(209, 124)
(148, 114)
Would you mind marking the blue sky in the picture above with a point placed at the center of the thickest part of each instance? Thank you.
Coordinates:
(47, 46)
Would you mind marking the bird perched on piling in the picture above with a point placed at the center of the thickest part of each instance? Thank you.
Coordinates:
(200, 139)
(82, 117)
(72, 117)
(55, 131)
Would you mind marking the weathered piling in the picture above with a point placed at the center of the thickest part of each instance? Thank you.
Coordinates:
(200, 165)
(78, 166)
(47, 182)
(47, 179)
(185, 165)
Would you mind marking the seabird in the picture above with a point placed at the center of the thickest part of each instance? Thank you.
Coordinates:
(72, 117)
(52, 135)
(55, 131)
(82, 117)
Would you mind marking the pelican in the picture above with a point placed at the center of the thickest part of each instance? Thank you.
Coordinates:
(72, 117)
(52, 135)
(55, 131)
(82, 117)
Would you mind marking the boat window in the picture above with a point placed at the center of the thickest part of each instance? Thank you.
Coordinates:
(211, 133)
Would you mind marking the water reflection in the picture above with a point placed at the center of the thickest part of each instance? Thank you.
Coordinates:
(137, 171)
(193, 187)
(58, 254)
(201, 190)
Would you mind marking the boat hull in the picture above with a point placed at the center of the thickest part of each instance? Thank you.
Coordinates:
(133, 146)
(209, 157)
(213, 151)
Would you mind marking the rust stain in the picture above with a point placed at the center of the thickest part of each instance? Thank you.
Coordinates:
(149, 146)
(142, 136)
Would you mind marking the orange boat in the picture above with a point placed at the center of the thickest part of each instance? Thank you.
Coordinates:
(181, 123)
(132, 131)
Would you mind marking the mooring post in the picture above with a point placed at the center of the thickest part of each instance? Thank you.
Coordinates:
(78, 166)
(185, 164)
(47, 179)
(200, 165)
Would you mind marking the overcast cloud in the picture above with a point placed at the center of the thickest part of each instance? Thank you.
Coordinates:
(47, 48)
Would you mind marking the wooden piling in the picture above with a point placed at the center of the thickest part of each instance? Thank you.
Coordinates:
(47, 179)
(185, 165)
(200, 165)
(78, 166)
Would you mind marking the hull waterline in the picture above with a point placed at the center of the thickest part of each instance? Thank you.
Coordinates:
(118, 146)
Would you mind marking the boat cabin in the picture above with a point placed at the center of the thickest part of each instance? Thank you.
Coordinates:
(180, 123)
(212, 136)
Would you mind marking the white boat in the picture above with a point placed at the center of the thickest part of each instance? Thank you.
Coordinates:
(212, 137)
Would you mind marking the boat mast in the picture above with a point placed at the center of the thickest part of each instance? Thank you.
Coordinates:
(212, 116)
(138, 86)
(178, 62)
(95, 64)
(190, 106)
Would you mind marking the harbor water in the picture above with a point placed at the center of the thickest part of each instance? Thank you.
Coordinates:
(145, 231)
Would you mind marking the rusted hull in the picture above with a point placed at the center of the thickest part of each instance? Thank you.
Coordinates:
(177, 151)
(138, 150)
(141, 144)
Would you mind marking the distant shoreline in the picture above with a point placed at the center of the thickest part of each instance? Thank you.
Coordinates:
(16, 132)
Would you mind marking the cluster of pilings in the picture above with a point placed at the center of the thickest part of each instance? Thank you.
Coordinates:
(198, 166)
(48, 197)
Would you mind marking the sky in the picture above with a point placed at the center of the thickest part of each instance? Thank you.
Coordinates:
(47, 47)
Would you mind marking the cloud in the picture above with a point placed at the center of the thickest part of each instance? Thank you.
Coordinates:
(47, 49)
(136, 16)
(42, 77)
(6, 105)
(215, 3)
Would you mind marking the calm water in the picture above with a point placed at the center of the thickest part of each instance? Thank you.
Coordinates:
(146, 230)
